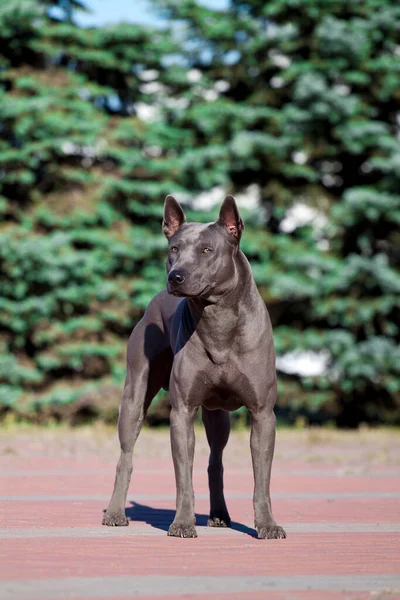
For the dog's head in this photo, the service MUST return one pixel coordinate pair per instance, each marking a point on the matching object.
(201, 258)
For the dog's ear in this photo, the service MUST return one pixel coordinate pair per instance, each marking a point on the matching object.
(173, 217)
(230, 219)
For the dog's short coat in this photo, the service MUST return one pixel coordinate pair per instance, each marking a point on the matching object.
(208, 338)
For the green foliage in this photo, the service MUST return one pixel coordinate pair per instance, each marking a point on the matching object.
(73, 239)
(97, 125)
(309, 111)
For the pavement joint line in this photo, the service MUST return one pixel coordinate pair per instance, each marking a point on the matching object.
(201, 496)
(165, 585)
(278, 473)
(141, 529)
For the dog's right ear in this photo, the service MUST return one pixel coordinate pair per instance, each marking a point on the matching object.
(174, 217)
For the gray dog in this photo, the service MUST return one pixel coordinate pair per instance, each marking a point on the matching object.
(208, 339)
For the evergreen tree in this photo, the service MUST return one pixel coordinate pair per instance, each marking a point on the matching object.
(303, 100)
(77, 189)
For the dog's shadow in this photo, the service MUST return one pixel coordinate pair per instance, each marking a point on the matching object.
(161, 518)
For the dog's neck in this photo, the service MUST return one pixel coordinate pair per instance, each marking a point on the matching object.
(215, 322)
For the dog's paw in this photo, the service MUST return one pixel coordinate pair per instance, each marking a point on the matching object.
(271, 532)
(183, 531)
(222, 520)
(115, 519)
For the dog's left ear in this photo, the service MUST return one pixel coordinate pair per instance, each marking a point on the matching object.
(230, 219)
(173, 217)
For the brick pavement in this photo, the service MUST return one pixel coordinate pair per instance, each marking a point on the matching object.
(337, 495)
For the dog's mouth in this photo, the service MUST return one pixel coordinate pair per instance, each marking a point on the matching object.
(180, 294)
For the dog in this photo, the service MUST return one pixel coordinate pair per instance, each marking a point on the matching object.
(207, 338)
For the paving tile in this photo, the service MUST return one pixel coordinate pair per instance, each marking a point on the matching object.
(340, 502)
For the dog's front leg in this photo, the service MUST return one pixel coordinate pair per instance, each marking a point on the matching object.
(262, 443)
(182, 445)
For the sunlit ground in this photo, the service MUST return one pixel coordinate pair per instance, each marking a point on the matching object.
(350, 449)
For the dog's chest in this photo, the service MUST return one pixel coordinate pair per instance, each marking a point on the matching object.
(219, 356)
(223, 386)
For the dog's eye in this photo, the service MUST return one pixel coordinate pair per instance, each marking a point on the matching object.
(206, 250)
(174, 248)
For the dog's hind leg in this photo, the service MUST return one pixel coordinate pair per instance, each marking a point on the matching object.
(218, 426)
(149, 364)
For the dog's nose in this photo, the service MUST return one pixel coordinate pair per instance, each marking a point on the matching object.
(176, 277)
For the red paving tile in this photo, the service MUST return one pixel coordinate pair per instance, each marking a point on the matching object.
(301, 554)
(217, 554)
(157, 483)
(76, 463)
(65, 513)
